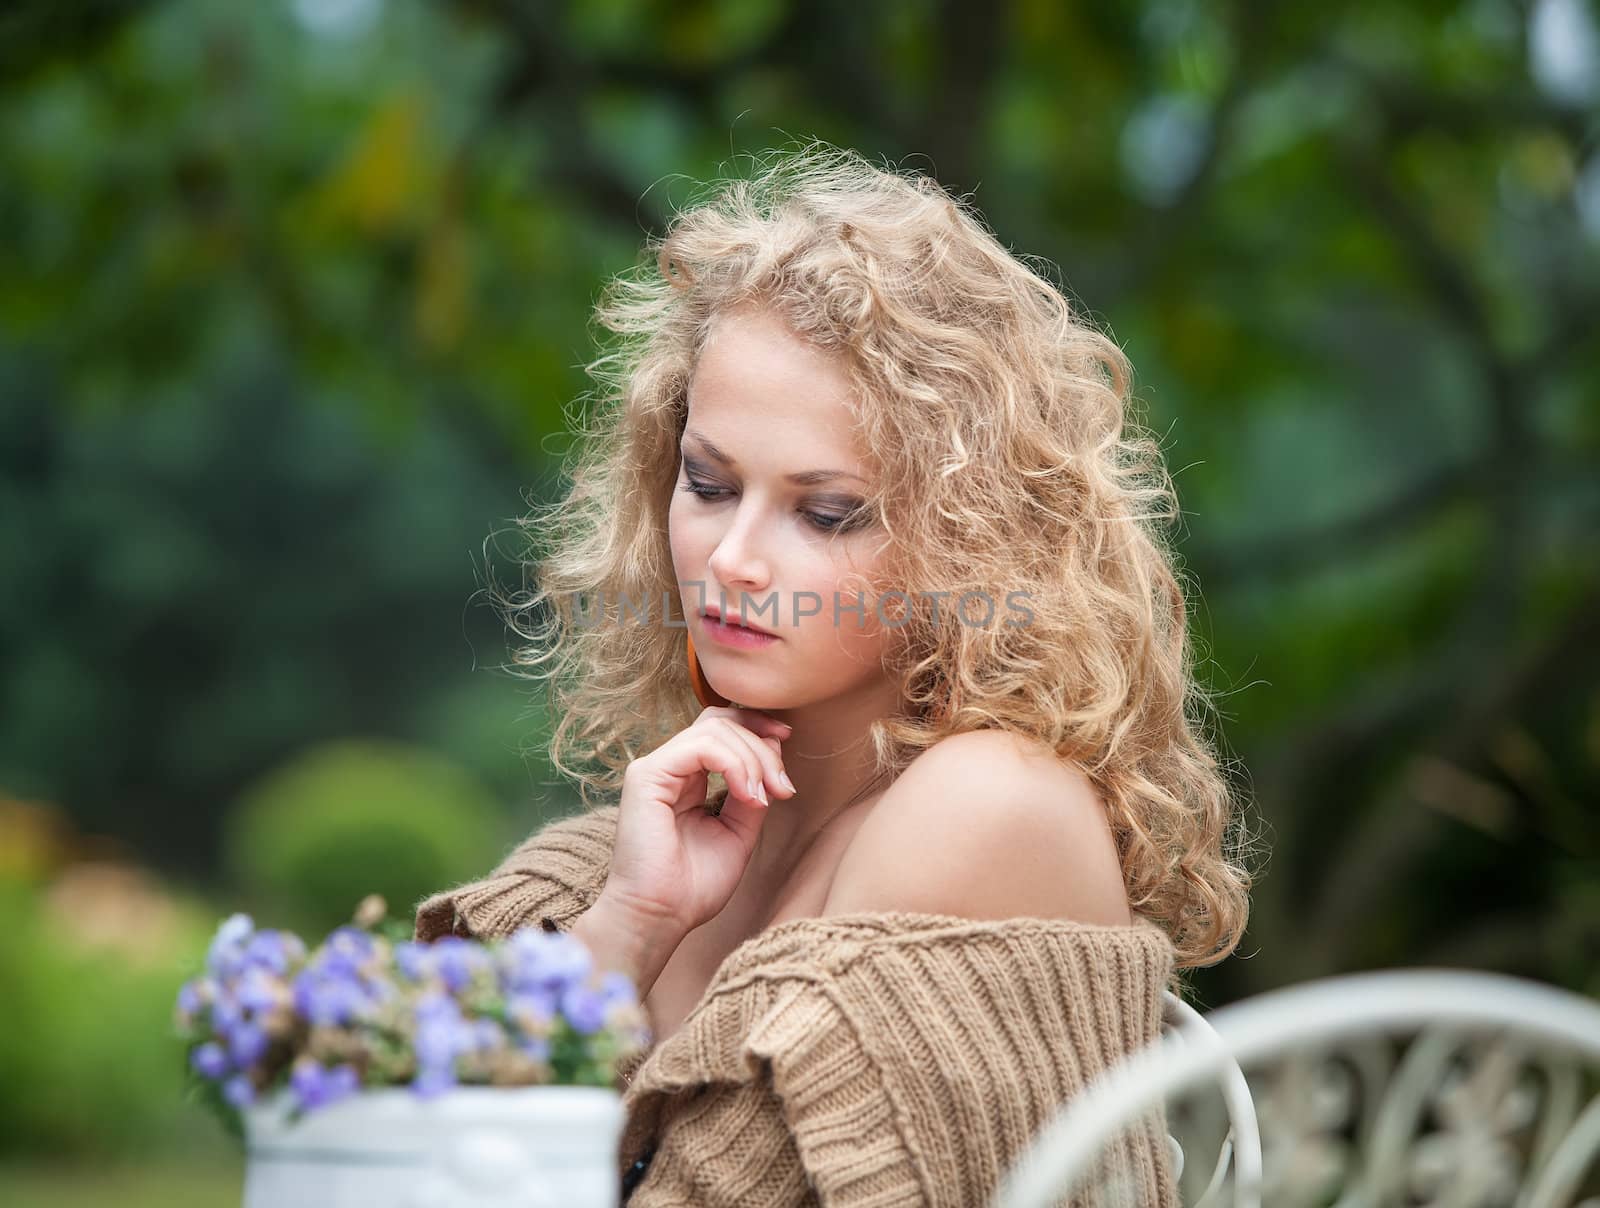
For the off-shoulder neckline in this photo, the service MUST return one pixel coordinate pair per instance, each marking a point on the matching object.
(898, 920)
(870, 928)
(899, 924)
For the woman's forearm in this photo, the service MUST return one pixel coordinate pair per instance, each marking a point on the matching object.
(625, 940)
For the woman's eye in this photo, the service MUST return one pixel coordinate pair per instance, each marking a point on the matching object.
(703, 490)
(827, 522)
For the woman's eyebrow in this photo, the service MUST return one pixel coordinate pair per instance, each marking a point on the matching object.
(804, 478)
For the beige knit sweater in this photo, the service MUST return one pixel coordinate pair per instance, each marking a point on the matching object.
(865, 1059)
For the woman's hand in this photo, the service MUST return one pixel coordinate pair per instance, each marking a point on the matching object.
(672, 863)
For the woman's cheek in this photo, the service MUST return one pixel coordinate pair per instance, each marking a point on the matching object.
(846, 621)
(690, 551)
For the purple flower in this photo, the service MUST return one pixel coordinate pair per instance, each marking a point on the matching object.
(345, 950)
(457, 960)
(533, 1010)
(541, 960)
(327, 999)
(226, 1011)
(258, 990)
(332, 991)
(247, 1044)
(434, 1006)
(273, 951)
(239, 1091)
(433, 1080)
(209, 1060)
(190, 999)
(487, 1034)
(413, 960)
(225, 957)
(442, 1033)
(618, 989)
(315, 1086)
(442, 1036)
(585, 1009)
(536, 1047)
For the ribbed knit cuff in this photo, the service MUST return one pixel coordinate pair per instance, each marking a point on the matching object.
(549, 879)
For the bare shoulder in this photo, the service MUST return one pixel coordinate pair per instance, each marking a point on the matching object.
(985, 825)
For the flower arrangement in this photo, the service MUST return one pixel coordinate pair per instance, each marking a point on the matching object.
(370, 1008)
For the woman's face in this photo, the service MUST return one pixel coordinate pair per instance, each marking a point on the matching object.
(764, 406)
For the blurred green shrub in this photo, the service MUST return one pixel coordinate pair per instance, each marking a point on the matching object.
(89, 1067)
(350, 818)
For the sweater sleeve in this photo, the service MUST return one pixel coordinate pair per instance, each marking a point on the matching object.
(550, 879)
(889, 1058)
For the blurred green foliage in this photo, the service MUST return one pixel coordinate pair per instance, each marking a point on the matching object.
(190, 1182)
(346, 819)
(89, 1065)
(293, 296)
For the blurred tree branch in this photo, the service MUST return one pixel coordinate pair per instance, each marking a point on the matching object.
(1376, 853)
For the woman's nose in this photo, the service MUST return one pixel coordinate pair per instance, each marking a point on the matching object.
(736, 562)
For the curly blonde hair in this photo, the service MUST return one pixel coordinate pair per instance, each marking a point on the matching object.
(997, 421)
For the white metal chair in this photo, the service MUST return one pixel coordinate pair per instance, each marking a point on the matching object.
(1425, 1086)
(1243, 1141)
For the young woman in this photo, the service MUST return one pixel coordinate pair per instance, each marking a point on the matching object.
(864, 531)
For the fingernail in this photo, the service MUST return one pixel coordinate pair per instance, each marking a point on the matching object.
(787, 783)
(761, 792)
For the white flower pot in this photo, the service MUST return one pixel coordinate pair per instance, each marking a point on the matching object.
(471, 1147)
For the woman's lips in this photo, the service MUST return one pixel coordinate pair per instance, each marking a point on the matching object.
(735, 635)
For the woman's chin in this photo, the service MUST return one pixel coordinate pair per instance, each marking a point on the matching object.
(747, 694)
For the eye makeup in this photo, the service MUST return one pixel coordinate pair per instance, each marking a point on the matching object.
(850, 513)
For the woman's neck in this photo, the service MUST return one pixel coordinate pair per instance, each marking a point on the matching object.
(829, 757)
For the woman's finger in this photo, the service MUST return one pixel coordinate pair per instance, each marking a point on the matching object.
(777, 780)
(719, 751)
(751, 719)
(690, 754)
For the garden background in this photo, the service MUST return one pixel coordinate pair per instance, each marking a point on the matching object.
(293, 294)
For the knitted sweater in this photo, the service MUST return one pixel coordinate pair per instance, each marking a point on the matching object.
(877, 1058)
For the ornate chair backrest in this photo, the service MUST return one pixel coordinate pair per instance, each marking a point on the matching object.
(1242, 1143)
(1425, 1086)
